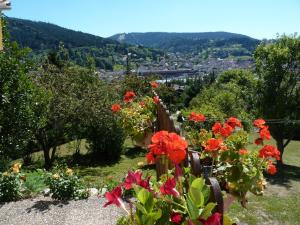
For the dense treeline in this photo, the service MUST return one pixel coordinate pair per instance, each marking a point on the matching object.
(44, 37)
(208, 44)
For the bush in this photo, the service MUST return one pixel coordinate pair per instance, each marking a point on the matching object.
(10, 184)
(64, 184)
(106, 140)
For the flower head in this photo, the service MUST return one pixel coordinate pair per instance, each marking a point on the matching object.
(194, 117)
(264, 133)
(234, 122)
(258, 141)
(69, 172)
(114, 197)
(271, 168)
(259, 123)
(156, 99)
(129, 96)
(115, 108)
(214, 219)
(224, 130)
(176, 218)
(154, 84)
(213, 144)
(16, 167)
(269, 151)
(168, 188)
(243, 152)
(135, 178)
(170, 144)
(55, 176)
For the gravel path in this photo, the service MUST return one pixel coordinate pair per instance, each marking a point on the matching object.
(45, 211)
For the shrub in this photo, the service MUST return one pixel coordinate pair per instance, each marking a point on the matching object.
(64, 184)
(106, 140)
(11, 183)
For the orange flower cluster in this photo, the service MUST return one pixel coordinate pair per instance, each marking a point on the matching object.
(269, 151)
(154, 84)
(214, 144)
(264, 132)
(129, 96)
(115, 107)
(194, 117)
(228, 127)
(169, 144)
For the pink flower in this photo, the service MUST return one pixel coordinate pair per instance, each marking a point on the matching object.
(214, 219)
(114, 197)
(168, 188)
(176, 218)
(135, 178)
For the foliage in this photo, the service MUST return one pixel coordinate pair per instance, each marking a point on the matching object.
(231, 95)
(207, 44)
(80, 47)
(278, 67)
(64, 184)
(10, 184)
(166, 201)
(79, 108)
(22, 103)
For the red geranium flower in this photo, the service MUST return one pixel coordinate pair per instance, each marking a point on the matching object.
(115, 107)
(129, 96)
(142, 104)
(114, 197)
(264, 133)
(135, 178)
(259, 123)
(214, 219)
(234, 122)
(154, 84)
(258, 141)
(150, 158)
(156, 99)
(168, 188)
(269, 151)
(170, 144)
(176, 218)
(213, 144)
(243, 151)
(196, 117)
(271, 168)
(224, 131)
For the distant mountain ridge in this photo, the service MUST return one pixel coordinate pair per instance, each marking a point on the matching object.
(223, 43)
(43, 37)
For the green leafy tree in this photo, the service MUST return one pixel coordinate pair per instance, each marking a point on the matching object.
(278, 67)
(21, 102)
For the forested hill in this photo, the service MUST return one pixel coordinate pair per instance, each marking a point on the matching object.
(222, 44)
(42, 37)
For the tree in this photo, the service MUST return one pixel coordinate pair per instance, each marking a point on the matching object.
(21, 102)
(278, 67)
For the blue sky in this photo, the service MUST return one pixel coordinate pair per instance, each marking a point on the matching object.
(256, 18)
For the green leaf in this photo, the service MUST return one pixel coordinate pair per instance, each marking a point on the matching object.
(207, 210)
(195, 192)
(193, 210)
(143, 195)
